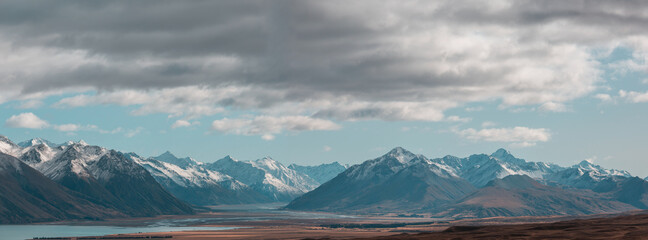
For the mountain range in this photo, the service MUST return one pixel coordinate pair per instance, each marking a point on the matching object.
(75, 180)
(136, 186)
(26, 195)
(476, 186)
(104, 177)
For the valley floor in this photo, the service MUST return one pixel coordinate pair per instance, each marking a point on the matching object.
(277, 224)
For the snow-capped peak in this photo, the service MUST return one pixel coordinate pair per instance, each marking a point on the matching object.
(168, 157)
(8, 147)
(588, 165)
(70, 143)
(228, 158)
(36, 142)
(501, 153)
(401, 154)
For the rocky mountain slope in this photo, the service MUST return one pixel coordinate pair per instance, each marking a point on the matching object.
(520, 195)
(267, 176)
(27, 196)
(104, 177)
(192, 182)
(476, 186)
(395, 182)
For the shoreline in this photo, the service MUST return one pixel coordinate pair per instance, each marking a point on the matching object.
(362, 227)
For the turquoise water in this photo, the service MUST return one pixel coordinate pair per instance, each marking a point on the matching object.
(21, 232)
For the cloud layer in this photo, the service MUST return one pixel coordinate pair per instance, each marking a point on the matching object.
(320, 60)
(518, 136)
(26, 120)
(266, 126)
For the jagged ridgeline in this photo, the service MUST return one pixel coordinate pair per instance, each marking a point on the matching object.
(480, 185)
(130, 185)
(101, 183)
(82, 182)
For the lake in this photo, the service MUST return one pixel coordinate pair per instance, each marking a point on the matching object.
(248, 212)
(21, 232)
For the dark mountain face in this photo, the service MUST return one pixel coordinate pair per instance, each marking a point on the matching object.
(104, 177)
(397, 181)
(404, 182)
(116, 182)
(137, 191)
(26, 196)
(518, 195)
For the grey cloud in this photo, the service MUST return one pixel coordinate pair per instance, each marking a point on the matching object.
(289, 52)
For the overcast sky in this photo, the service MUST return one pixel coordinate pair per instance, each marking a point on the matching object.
(310, 82)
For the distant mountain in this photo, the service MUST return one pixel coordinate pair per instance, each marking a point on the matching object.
(320, 173)
(520, 195)
(26, 196)
(193, 183)
(168, 157)
(477, 186)
(584, 175)
(104, 177)
(111, 183)
(37, 141)
(266, 176)
(480, 169)
(395, 182)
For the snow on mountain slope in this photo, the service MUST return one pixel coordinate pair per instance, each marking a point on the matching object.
(37, 141)
(480, 169)
(168, 157)
(285, 179)
(384, 166)
(104, 176)
(188, 175)
(320, 173)
(28, 196)
(395, 182)
(267, 176)
(586, 175)
(9, 147)
(196, 184)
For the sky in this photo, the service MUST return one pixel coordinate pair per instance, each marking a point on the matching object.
(313, 82)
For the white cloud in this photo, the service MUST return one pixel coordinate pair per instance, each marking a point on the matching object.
(26, 120)
(518, 136)
(268, 137)
(189, 102)
(552, 107)
(34, 103)
(522, 144)
(30, 120)
(266, 126)
(181, 123)
(603, 97)
(327, 149)
(457, 119)
(634, 97)
(131, 133)
(67, 127)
